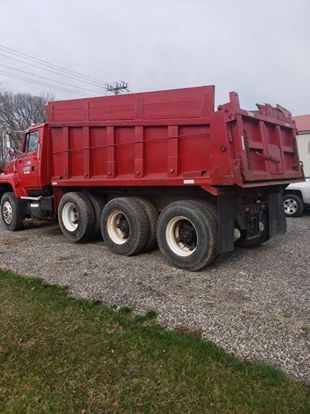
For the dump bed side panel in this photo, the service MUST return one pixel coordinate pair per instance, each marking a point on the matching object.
(171, 138)
(150, 154)
(156, 138)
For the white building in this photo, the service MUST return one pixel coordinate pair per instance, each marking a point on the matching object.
(303, 140)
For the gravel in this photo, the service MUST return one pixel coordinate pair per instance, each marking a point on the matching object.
(254, 303)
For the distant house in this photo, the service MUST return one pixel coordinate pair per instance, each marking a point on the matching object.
(303, 140)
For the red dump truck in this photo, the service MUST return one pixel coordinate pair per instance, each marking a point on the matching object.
(159, 168)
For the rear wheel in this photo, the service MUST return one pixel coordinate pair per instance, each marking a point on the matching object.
(11, 212)
(98, 205)
(152, 215)
(187, 234)
(124, 226)
(76, 217)
(293, 205)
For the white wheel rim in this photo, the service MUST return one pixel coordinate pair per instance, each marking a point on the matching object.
(181, 236)
(290, 206)
(7, 212)
(118, 227)
(70, 217)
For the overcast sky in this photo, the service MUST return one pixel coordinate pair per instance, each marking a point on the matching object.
(259, 49)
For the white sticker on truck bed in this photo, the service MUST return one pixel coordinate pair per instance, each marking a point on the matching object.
(242, 142)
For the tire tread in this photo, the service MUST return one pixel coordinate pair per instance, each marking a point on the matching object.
(206, 211)
(142, 224)
(152, 215)
(87, 214)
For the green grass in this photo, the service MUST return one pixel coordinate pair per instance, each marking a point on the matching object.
(63, 355)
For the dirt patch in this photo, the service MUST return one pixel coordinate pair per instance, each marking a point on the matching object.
(15, 242)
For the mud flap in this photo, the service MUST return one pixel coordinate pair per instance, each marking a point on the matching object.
(277, 219)
(226, 210)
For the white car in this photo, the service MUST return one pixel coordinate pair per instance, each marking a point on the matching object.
(296, 198)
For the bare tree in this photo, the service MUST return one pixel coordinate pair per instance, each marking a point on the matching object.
(19, 111)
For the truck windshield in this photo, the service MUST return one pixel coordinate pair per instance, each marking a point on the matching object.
(32, 141)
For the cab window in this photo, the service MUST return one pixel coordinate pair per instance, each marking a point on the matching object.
(32, 141)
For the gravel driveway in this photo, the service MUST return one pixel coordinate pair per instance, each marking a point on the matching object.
(253, 303)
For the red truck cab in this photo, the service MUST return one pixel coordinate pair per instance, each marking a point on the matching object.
(154, 168)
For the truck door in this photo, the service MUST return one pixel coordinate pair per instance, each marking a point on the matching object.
(28, 163)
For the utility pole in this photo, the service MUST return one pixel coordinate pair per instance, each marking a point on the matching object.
(117, 87)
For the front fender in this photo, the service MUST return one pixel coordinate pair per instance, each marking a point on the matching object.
(10, 182)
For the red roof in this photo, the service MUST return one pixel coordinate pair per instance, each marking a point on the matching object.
(302, 122)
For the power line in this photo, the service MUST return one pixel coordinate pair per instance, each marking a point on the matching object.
(36, 81)
(49, 79)
(55, 67)
(49, 70)
(116, 87)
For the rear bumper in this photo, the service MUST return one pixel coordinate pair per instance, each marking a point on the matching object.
(233, 212)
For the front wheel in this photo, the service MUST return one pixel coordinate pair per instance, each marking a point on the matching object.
(11, 213)
(187, 234)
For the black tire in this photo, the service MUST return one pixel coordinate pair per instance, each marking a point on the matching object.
(201, 227)
(152, 215)
(297, 205)
(16, 222)
(98, 204)
(124, 226)
(85, 213)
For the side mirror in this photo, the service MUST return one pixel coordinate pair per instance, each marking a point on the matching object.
(11, 152)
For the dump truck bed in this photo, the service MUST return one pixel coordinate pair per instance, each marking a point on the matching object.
(173, 137)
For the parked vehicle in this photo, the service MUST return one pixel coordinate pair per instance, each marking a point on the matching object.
(160, 167)
(296, 198)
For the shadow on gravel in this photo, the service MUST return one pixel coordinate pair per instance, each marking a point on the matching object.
(53, 231)
(34, 224)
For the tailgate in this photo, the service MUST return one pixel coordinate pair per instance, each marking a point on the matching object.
(265, 143)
